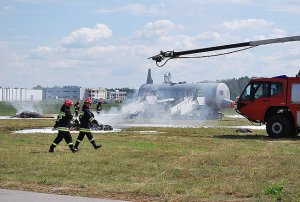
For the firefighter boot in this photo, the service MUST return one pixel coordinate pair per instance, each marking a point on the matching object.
(52, 146)
(72, 148)
(96, 146)
(77, 144)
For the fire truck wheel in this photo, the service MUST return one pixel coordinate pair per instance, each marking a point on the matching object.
(278, 126)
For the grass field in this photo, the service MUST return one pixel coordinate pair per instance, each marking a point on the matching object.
(172, 164)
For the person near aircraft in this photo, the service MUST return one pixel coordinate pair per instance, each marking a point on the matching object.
(63, 124)
(86, 118)
(76, 108)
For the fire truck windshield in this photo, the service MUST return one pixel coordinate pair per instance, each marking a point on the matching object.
(257, 90)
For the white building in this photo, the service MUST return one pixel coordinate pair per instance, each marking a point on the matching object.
(20, 94)
(78, 93)
(117, 95)
(97, 93)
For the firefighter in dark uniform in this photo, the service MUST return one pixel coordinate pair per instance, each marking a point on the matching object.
(63, 125)
(86, 118)
(76, 108)
(99, 106)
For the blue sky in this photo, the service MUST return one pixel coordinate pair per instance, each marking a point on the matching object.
(106, 43)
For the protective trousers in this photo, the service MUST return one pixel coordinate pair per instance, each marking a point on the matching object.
(89, 136)
(60, 136)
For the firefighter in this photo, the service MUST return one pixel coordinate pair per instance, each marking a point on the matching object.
(76, 108)
(99, 106)
(86, 118)
(63, 125)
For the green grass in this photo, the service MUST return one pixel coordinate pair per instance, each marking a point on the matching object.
(6, 109)
(175, 164)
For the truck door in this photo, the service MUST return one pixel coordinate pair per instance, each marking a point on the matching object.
(253, 101)
(257, 97)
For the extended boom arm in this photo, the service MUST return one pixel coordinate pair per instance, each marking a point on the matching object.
(172, 54)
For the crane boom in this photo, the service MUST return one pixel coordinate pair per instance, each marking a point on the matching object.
(172, 54)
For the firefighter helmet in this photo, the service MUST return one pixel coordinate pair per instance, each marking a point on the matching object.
(88, 100)
(68, 103)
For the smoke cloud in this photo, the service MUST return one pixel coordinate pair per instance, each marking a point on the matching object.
(28, 106)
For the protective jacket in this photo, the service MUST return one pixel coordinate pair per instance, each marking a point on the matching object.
(64, 118)
(86, 117)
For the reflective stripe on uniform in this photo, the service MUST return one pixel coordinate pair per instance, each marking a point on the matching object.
(85, 130)
(91, 119)
(71, 143)
(61, 115)
(54, 143)
(78, 140)
(65, 129)
(91, 140)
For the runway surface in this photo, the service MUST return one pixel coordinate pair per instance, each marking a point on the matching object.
(7, 195)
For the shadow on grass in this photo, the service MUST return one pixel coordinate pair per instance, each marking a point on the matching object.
(254, 137)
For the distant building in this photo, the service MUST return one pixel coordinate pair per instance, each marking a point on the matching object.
(20, 94)
(78, 93)
(118, 96)
(96, 93)
(66, 92)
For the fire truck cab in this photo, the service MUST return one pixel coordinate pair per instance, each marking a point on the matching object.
(274, 102)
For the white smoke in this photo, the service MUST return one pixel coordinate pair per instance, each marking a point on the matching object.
(23, 106)
(112, 117)
(156, 117)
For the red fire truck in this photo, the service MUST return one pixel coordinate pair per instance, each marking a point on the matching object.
(271, 101)
(274, 102)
